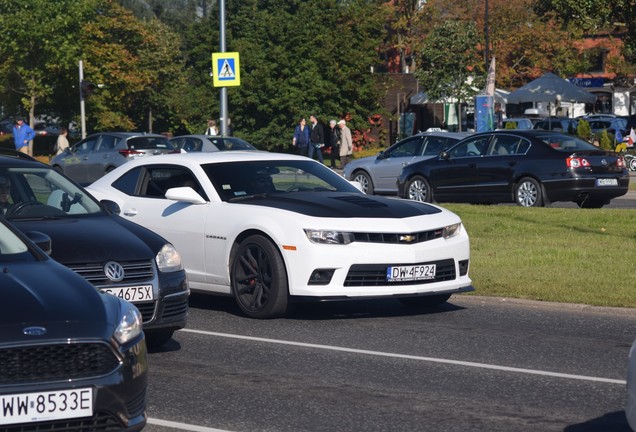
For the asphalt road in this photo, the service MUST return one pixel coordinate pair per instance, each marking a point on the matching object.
(475, 364)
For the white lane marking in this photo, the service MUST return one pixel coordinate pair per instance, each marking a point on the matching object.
(182, 426)
(412, 357)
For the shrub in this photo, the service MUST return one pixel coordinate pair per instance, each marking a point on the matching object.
(511, 125)
(583, 130)
(604, 141)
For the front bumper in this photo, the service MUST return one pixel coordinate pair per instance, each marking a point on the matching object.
(358, 270)
(119, 396)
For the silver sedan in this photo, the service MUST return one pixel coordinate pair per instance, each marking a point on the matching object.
(378, 174)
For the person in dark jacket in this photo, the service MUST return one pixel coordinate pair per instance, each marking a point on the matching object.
(334, 142)
(301, 137)
(316, 139)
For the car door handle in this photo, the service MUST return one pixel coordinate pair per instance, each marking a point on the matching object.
(472, 165)
(512, 163)
(85, 158)
(130, 212)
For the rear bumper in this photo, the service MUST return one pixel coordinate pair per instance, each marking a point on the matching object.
(579, 188)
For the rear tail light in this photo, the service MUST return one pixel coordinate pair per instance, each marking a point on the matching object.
(577, 162)
(130, 153)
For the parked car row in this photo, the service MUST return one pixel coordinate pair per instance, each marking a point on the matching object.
(527, 167)
(100, 153)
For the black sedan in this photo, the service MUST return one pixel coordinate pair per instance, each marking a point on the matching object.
(530, 168)
(114, 254)
(71, 358)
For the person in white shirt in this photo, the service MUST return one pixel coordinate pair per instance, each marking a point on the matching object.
(62, 141)
(212, 130)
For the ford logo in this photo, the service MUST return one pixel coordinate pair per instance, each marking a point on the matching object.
(114, 271)
(34, 331)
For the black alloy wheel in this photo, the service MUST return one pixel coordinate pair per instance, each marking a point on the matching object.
(258, 278)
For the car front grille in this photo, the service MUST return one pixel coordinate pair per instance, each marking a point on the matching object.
(100, 422)
(375, 274)
(175, 307)
(134, 272)
(403, 238)
(137, 405)
(147, 310)
(47, 363)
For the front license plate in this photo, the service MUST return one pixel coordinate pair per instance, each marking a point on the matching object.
(55, 405)
(132, 294)
(410, 273)
(606, 182)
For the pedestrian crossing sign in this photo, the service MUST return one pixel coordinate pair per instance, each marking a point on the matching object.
(226, 69)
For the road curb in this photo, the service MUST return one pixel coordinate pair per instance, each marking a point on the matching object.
(538, 304)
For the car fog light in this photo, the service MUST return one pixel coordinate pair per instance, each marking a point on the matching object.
(321, 276)
(463, 267)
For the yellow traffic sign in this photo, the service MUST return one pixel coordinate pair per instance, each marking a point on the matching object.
(226, 69)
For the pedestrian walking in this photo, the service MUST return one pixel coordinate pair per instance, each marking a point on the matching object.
(346, 143)
(301, 137)
(62, 141)
(316, 139)
(22, 134)
(334, 142)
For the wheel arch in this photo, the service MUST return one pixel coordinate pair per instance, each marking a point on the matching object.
(250, 232)
(519, 177)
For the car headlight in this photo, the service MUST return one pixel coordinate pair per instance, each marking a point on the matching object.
(129, 326)
(168, 259)
(452, 230)
(329, 236)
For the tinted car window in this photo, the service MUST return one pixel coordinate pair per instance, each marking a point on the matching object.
(107, 143)
(160, 178)
(434, 145)
(127, 183)
(407, 148)
(236, 144)
(566, 143)
(86, 146)
(505, 145)
(471, 147)
(192, 144)
(145, 142)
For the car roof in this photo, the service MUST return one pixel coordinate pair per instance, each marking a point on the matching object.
(457, 135)
(528, 133)
(201, 158)
(11, 160)
(127, 134)
(202, 136)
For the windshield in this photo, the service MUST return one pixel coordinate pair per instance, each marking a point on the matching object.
(566, 143)
(236, 180)
(35, 193)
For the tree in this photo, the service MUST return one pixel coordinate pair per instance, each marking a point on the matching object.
(39, 60)
(448, 59)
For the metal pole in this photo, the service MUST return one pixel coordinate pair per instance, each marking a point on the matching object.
(487, 53)
(223, 101)
(82, 109)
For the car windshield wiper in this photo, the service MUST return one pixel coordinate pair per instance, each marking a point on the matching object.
(250, 196)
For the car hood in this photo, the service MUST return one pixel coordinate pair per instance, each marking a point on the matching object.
(340, 205)
(52, 297)
(88, 239)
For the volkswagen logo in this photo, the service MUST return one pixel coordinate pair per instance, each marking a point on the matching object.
(114, 271)
(34, 331)
(604, 162)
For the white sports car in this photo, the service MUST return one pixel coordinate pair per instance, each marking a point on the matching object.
(268, 228)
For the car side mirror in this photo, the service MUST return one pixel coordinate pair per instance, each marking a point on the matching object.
(380, 156)
(444, 155)
(111, 206)
(42, 241)
(185, 194)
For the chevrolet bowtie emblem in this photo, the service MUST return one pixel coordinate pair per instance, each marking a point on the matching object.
(407, 238)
